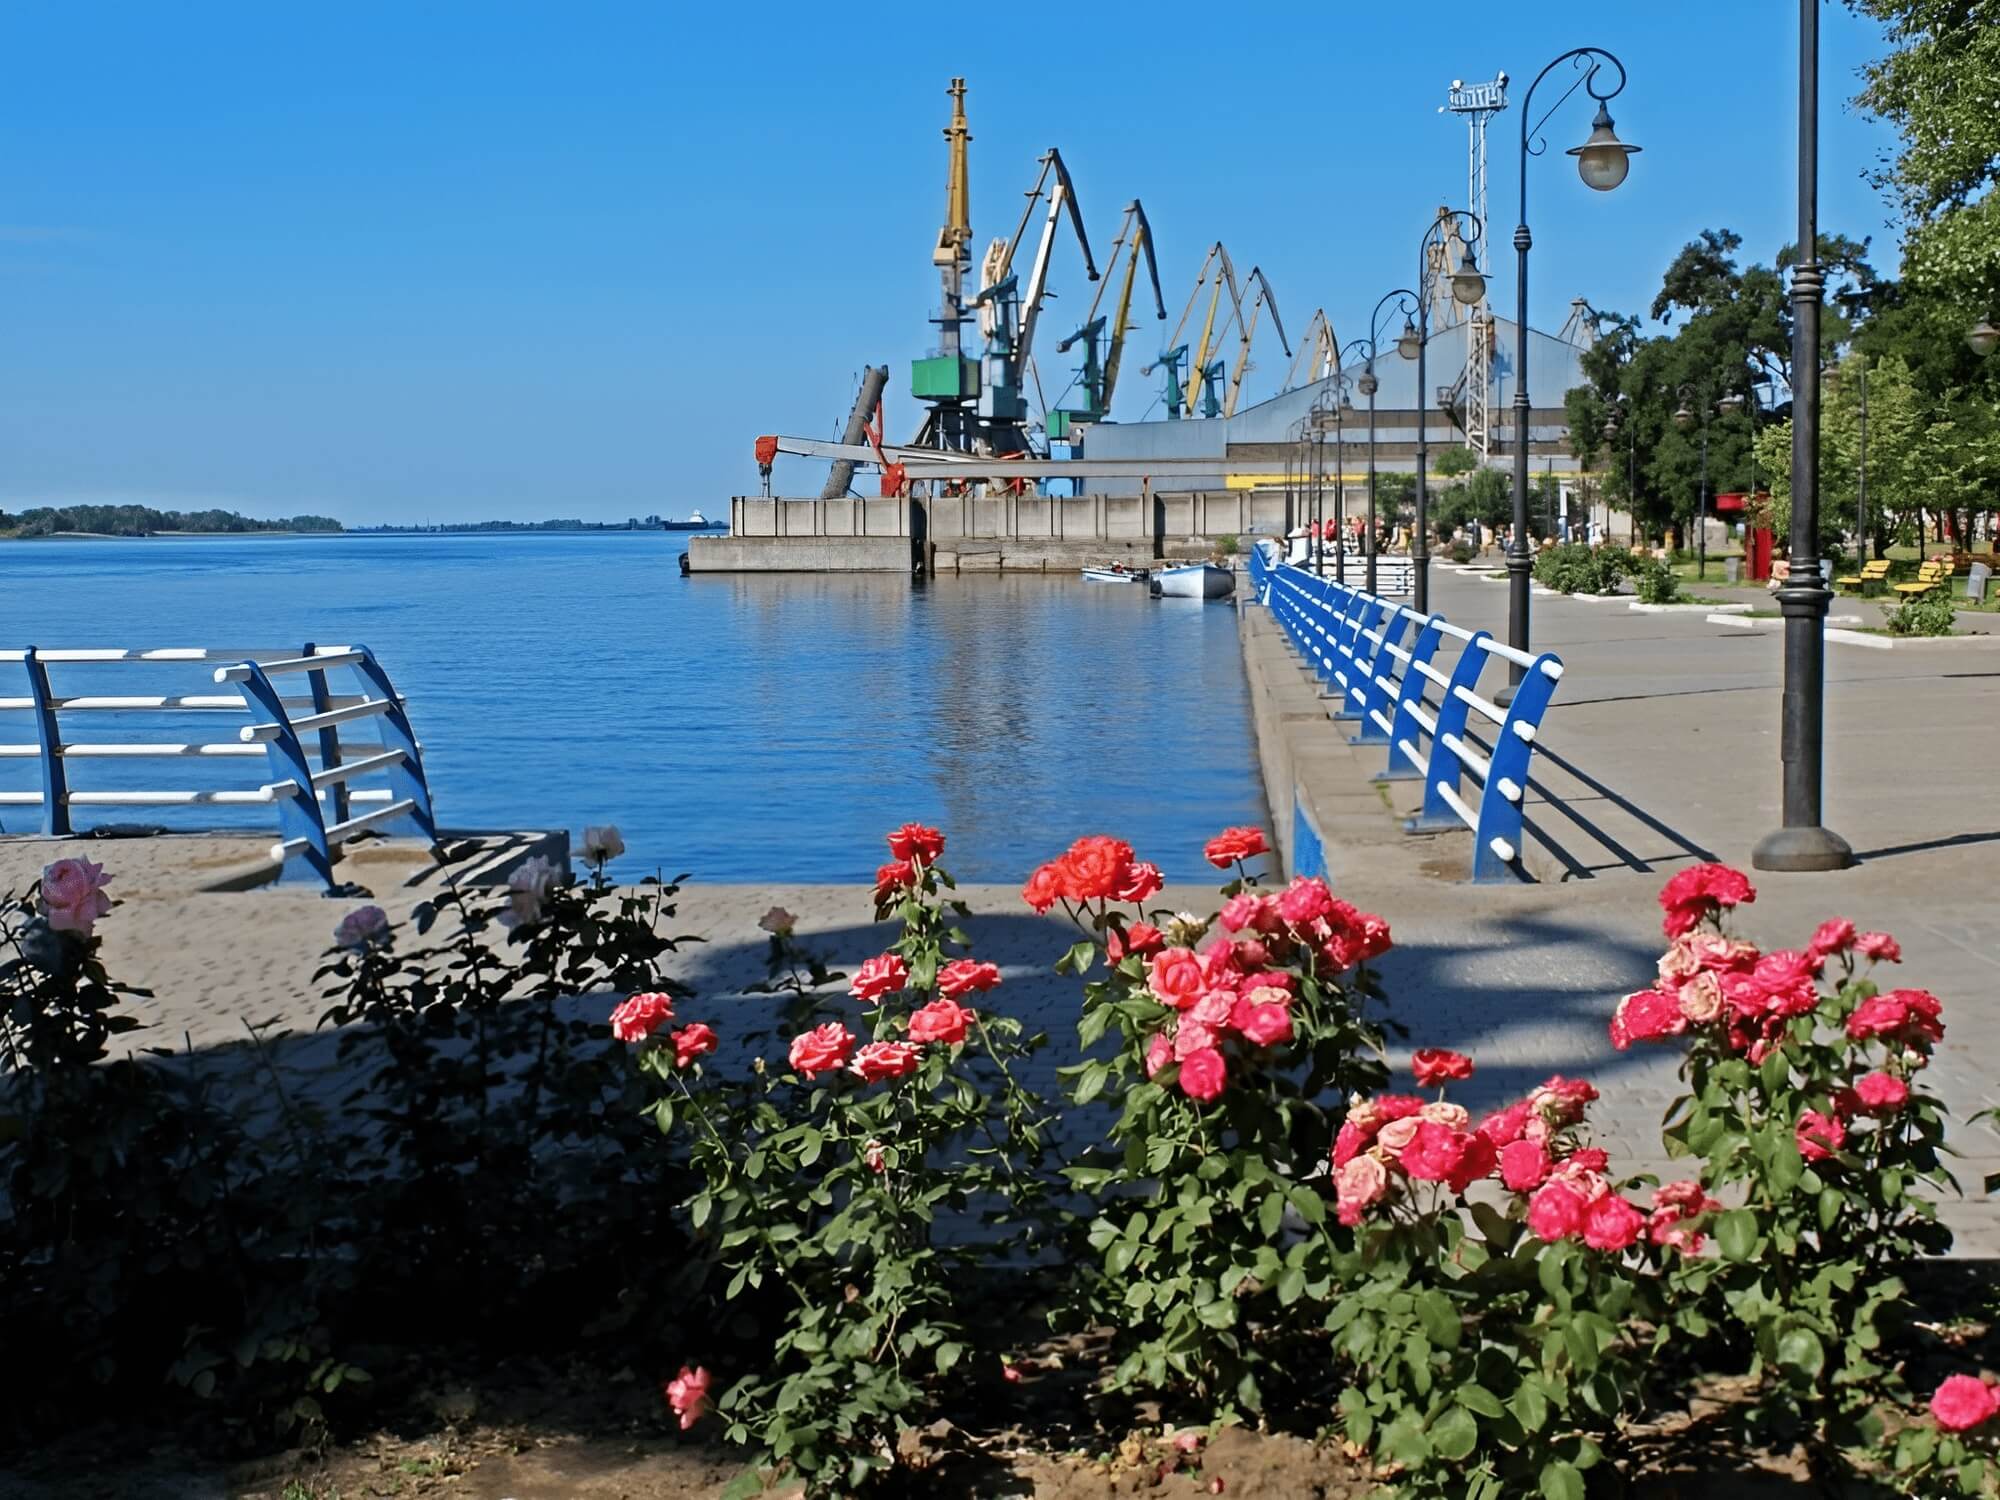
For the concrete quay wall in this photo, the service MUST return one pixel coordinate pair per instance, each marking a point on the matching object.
(801, 554)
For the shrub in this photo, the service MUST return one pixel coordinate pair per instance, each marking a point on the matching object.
(1573, 567)
(1657, 583)
(1228, 545)
(828, 1182)
(1923, 614)
(1806, 1105)
(1956, 1449)
(1461, 550)
(1231, 1065)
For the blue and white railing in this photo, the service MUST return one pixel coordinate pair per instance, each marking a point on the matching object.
(1383, 659)
(294, 731)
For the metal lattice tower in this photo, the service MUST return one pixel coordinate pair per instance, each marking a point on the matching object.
(1478, 102)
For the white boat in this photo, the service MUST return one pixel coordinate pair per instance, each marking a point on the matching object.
(1196, 581)
(1114, 575)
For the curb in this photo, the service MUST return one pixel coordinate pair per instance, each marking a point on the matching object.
(1669, 609)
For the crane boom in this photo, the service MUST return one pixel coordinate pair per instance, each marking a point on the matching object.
(1061, 196)
(1264, 297)
(1140, 240)
(1319, 343)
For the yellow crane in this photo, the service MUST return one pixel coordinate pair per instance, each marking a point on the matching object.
(1218, 273)
(1247, 329)
(1100, 379)
(1318, 353)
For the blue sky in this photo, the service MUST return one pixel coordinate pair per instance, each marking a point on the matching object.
(458, 260)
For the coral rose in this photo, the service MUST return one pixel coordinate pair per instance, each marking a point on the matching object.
(879, 1060)
(1234, 844)
(1879, 945)
(1963, 1402)
(1881, 1093)
(824, 1049)
(1143, 881)
(965, 976)
(1159, 1052)
(882, 975)
(641, 1016)
(1203, 1074)
(687, 1394)
(915, 841)
(1044, 888)
(892, 879)
(1095, 868)
(1556, 1211)
(940, 1021)
(1304, 900)
(1144, 939)
(1358, 1184)
(1267, 1025)
(1178, 977)
(1436, 1066)
(694, 1040)
(1834, 936)
(1612, 1224)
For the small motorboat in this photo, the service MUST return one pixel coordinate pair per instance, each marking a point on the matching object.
(1114, 573)
(1195, 581)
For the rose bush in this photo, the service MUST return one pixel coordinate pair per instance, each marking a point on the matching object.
(1236, 1040)
(828, 1173)
(1955, 1448)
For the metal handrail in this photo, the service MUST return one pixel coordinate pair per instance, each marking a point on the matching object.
(290, 733)
(1354, 641)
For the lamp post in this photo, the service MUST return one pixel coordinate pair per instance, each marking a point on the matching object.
(1982, 338)
(1467, 287)
(1861, 479)
(1620, 419)
(1734, 402)
(1684, 419)
(1602, 161)
(1368, 385)
(1801, 842)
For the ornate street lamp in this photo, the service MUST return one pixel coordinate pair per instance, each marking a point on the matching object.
(1368, 385)
(1801, 842)
(1467, 286)
(1982, 337)
(1602, 162)
(1685, 419)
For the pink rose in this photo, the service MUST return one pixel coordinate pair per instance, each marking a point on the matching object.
(1524, 1165)
(1879, 945)
(692, 1041)
(73, 895)
(1819, 1136)
(1348, 1143)
(1556, 1211)
(1963, 1402)
(1358, 1184)
(1700, 999)
(1834, 936)
(940, 1021)
(687, 1394)
(1178, 978)
(1437, 1066)
(1304, 899)
(824, 1049)
(1679, 961)
(1192, 1036)
(1698, 891)
(1881, 1093)
(1713, 951)
(1786, 970)
(641, 1016)
(1239, 911)
(882, 975)
(1203, 1074)
(1612, 1224)
(1433, 1153)
(1645, 1017)
(1443, 1112)
(1267, 1025)
(1504, 1126)
(1397, 1134)
(1477, 1159)
(1213, 1009)
(1159, 1052)
(879, 1060)
(965, 976)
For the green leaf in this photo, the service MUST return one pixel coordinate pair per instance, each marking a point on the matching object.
(1455, 1434)
(1270, 1214)
(1091, 1083)
(948, 1354)
(1476, 1398)
(1800, 1349)
(1291, 1282)
(1530, 1406)
(1736, 1233)
(1561, 1481)
(1439, 1318)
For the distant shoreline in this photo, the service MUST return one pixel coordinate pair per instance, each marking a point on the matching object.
(368, 531)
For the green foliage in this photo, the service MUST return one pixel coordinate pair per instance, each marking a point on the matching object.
(1656, 581)
(1572, 568)
(1452, 462)
(1228, 545)
(143, 520)
(1923, 614)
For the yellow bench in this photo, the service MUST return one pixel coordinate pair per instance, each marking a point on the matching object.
(1934, 574)
(1874, 572)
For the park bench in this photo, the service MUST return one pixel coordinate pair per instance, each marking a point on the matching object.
(1935, 573)
(1871, 573)
(294, 722)
(1382, 658)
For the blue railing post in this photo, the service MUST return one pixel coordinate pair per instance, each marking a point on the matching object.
(299, 818)
(48, 736)
(1507, 778)
(329, 737)
(1403, 728)
(1446, 768)
(1365, 612)
(1391, 631)
(406, 778)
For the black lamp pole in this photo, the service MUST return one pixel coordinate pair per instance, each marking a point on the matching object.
(1684, 418)
(1602, 161)
(1801, 843)
(1368, 385)
(1468, 285)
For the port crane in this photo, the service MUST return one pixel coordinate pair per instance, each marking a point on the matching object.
(1099, 379)
(1318, 354)
(1247, 327)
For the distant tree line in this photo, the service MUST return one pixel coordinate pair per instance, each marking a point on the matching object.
(143, 520)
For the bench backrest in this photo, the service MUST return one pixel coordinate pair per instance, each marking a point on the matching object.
(290, 728)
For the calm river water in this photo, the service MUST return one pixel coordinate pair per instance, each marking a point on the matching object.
(738, 728)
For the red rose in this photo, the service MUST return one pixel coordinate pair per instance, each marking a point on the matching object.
(824, 1049)
(641, 1016)
(691, 1042)
(1435, 1066)
(1819, 1136)
(1178, 978)
(1612, 1224)
(687, 1394)
(1646, 1017)
(1044, 887)
(915, 841)
(882, 975)
(1881, 1093)
(1266, 1025)
(1963, 1402)
(1348, 1143)
(1304, 899)
(1476, 1160)
(1879, 945)
(1095, 868)
(1434, 1152)
(890, 879)
(1836, 935)
(1524, 1165)
(1504, 1126)
(879, 1060)
(1699, 890)
(1555, 1212)
(1234, 844)
(964, 976)
(940, 1021)
(1144, 939)
(1203, 1074)
(1143, 881)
